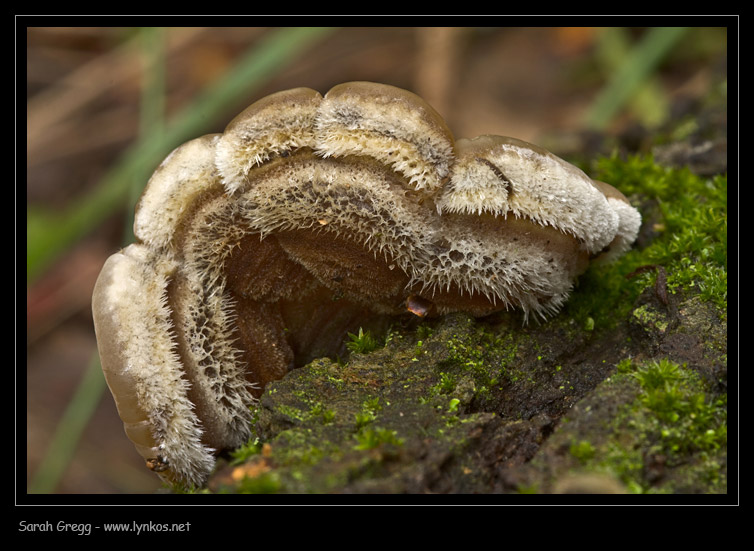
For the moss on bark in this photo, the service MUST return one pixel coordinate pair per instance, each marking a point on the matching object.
(493, 406)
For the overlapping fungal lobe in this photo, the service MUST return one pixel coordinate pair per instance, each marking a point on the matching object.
(309, 217)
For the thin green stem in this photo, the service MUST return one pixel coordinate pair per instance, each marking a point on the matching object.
(151, 114)
(634, 71)
(49, 233)
(65, 440)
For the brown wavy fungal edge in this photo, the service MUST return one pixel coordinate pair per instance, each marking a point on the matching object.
(311, 216)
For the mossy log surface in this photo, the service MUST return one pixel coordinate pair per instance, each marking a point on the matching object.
(458, 405)
(624, 391)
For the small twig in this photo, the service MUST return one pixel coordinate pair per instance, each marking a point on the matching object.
(661, 282)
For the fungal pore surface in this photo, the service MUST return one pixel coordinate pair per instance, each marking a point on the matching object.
(258, 249)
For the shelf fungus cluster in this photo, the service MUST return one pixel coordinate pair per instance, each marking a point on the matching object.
(259, 248)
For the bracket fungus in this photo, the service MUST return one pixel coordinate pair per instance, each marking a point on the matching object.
(258, 249)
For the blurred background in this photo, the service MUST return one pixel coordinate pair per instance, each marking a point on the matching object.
(106, 105)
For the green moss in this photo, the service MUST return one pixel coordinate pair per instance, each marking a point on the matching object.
(685, 418)
(368, 413)
(625, 366)
(424, 331)
(326, 371)
(293, 412)
(245, 452)
(527, 489)
(315, 410)
(685, 217)
(371, 437)
(692, 231)
(265, 483)
(583, 450)
(364, 418)
(651, 319)
(603, 296)
(363, 343)
(372, 404)
(447, 383)
(655, 375)
(481, 354)
(418, 351)
(301, 447)
(674, 428)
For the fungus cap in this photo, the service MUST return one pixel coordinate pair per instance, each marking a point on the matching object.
(308, 218)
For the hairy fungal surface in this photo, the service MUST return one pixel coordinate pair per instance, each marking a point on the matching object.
(259, 249)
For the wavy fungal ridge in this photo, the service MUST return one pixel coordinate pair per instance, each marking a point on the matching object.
(309, 217)
(142, 366)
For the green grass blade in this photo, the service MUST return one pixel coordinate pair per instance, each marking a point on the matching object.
(639, 65)
(151, 114)
(76, 417)
(89, 391)
(50, 233)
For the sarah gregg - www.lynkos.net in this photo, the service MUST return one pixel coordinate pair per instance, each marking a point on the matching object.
(86, 528)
